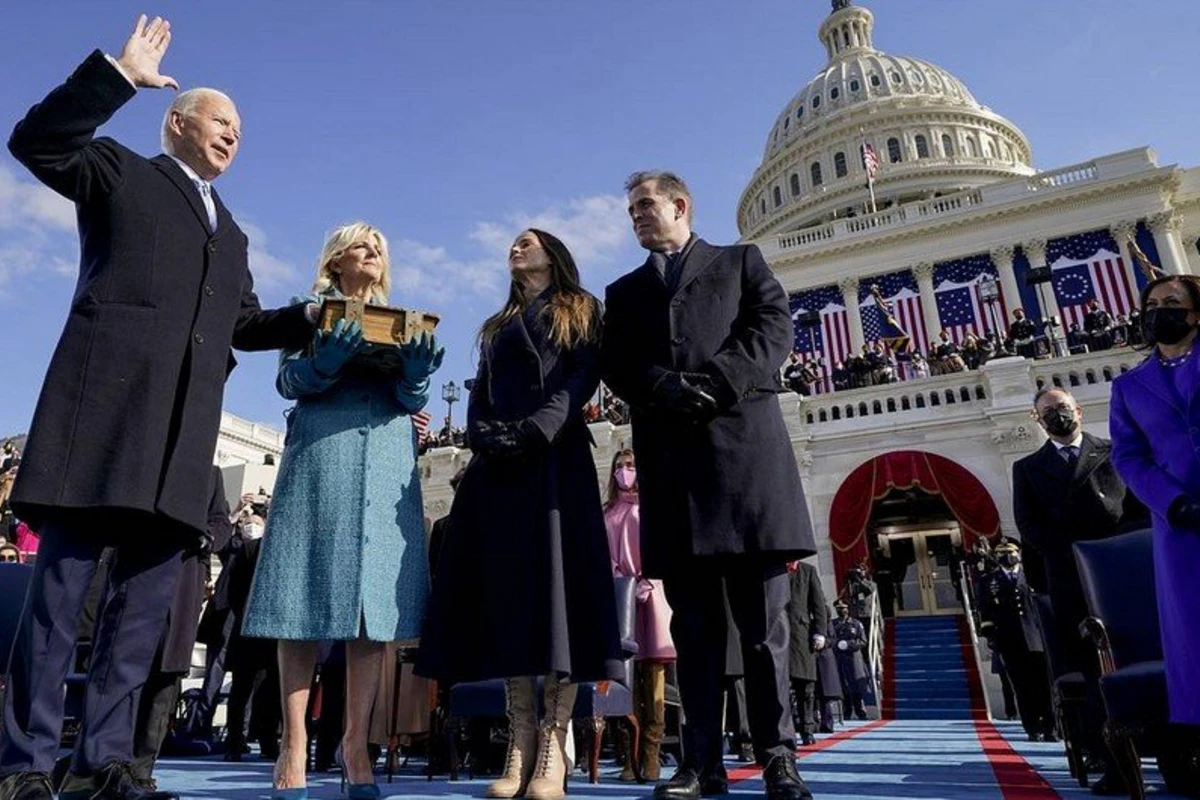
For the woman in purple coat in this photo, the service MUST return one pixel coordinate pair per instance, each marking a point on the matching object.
(1155, 427)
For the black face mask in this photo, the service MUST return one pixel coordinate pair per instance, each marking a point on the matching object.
(1060, 422)
(1166, 325)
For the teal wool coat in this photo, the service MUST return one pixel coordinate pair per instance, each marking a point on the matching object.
(344, 549)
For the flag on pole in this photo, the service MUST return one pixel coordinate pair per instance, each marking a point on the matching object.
(870, 161)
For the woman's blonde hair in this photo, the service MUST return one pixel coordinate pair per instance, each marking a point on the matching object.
(336, 245)
(573, 314)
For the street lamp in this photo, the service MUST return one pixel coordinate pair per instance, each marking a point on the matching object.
(989, 292)
(450, 393)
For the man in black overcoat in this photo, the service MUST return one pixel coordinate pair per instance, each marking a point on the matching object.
(125, 428)
(1069, 491)
(809, 618)
(694, 339)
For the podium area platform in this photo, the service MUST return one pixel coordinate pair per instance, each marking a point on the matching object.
(933, 759)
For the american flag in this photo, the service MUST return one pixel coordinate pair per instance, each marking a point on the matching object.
(420, 421)
(831, 339)
(870, 161)
(899, 289)
(960, 308)
(1086, 266)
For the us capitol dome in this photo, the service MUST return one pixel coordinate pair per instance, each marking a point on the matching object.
(929, 133)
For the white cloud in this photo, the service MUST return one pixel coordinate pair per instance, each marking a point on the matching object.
(270, 271)
(593, 228)
(37, 231)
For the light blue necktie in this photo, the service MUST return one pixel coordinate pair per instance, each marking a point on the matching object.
(206, 195)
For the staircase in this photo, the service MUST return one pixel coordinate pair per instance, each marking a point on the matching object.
(930, 670)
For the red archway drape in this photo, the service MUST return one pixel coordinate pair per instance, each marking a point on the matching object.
(962, 492)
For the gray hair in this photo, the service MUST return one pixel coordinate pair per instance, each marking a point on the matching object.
(185, 103)
(666, 183)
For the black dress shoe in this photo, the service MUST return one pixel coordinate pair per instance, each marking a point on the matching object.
(26, 786)
(114, 782)
(745, 753)
(688, 784)
(783, 781)
(1110, 785)
(807, 739)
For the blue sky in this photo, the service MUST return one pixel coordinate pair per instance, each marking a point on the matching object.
(452, 124)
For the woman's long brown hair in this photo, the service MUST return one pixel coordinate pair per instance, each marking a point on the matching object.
(573, 313)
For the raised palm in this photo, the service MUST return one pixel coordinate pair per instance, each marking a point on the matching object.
(144, 52)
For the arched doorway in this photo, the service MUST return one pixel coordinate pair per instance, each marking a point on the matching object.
(921, 509)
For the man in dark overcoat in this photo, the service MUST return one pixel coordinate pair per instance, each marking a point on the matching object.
(850, 647)
(809, 619)
(125, 428)
(694, 339)
(1065, 492)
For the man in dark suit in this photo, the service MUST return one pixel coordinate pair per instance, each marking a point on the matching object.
(123, 436)
(693, 341)
(809, 618)
(1065, 492)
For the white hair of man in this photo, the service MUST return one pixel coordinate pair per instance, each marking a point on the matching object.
(185, 103)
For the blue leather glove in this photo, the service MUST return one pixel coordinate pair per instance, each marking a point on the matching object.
(332, 350)
(421, 358)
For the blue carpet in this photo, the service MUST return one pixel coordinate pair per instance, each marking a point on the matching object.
(930, 677)
(936, 760)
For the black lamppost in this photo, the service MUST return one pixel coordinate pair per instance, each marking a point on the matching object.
(450, 393)
(989, 292)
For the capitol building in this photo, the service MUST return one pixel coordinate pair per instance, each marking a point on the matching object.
(916, 468)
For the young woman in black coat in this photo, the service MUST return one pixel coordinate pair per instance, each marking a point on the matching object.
(525, 586)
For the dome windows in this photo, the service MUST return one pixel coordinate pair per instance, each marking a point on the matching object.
(916, 78)
(893, 148)
(876, 81)
(800, 111)
(816, 101)
(947, 146)
(855, 85)
(815, 170)
(762, 205)
(972, 150)
(834, 93)
(777, 197)
(922, 146)
(896, 77)
(795, 185)
(839, 164)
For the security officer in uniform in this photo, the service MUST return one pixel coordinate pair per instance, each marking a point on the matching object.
(850, 643)
(1011, 630)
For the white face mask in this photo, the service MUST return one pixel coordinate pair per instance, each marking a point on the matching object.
(252, 530)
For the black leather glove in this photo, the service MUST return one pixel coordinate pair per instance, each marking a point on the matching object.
(507, 439)
(1184, 513)
(681, 396)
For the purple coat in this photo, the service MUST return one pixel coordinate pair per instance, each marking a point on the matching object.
(1156, 449)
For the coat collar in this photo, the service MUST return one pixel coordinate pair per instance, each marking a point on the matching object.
(184, 184)
(697, 256)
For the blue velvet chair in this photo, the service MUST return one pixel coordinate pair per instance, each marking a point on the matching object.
(1118, 583)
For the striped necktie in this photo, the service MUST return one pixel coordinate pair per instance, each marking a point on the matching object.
(210, 207)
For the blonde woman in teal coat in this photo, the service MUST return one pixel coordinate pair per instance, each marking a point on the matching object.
(344, 552)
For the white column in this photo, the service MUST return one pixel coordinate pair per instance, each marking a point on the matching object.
(924, 274)
(1165, 227)
(849, 287)
(1002, 257)
(1123, 232)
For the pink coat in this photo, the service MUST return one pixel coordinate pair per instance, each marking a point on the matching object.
(624, 547)
(26, 540)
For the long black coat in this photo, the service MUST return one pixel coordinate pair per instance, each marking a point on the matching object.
(183, 620)
(131, 405)
(1055, 507)
(524, 583)
(807, 614)
(731, 486)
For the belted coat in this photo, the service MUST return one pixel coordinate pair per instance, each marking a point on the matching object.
(731, 486)
(130, 408)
